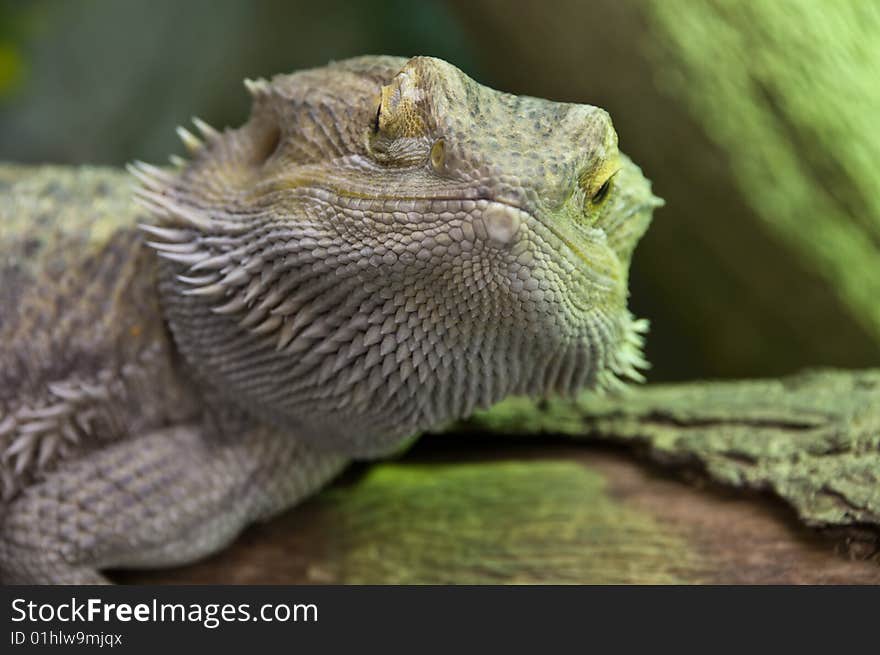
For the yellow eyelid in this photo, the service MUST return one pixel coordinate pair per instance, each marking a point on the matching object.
(607, 183)
(591, 181)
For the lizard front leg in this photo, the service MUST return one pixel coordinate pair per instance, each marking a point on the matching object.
(166, 498)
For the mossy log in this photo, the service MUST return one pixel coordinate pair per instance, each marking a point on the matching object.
(811, 439)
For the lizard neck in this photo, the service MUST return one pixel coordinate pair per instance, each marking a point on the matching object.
(371, 364)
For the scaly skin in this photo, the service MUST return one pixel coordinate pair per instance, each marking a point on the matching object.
(382, 248)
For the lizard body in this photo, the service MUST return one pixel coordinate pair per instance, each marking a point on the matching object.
(382, 248)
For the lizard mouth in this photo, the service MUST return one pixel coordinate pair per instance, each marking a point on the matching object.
(496, 219)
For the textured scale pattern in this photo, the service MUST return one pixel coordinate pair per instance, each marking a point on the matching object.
(364, 283)
(84, 355)
(383, 247)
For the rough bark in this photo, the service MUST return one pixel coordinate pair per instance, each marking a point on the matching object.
(812, 439)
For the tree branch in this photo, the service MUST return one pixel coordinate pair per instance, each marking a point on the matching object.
(812, 439)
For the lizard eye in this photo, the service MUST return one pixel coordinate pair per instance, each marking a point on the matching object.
(602, 192)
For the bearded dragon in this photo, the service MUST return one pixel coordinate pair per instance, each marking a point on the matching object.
(383, 247)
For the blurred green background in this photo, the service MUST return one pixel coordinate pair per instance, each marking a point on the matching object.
(759, 123)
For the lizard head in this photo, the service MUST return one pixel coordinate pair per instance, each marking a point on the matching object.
(387, 245)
